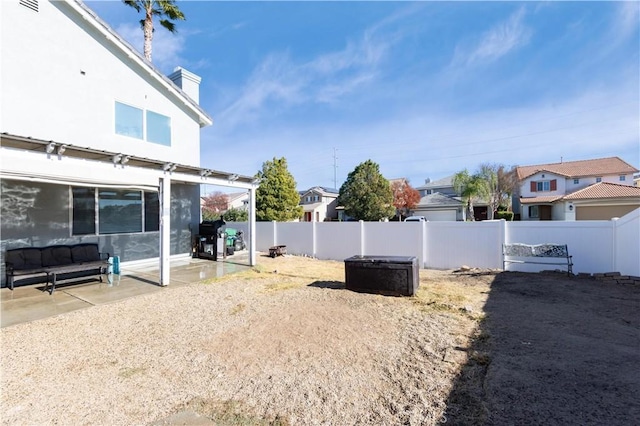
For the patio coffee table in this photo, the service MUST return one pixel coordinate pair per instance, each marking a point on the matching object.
(52, 273)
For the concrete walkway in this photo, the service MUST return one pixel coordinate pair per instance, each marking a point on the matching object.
(30, 303)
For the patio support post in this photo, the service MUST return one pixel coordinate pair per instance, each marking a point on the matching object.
(252, 226)
(165, 230)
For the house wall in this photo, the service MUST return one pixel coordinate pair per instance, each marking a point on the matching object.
(525, 185)
(331, 203)
(567, 185)
(53, 57)
(36, 214)
(596, 246)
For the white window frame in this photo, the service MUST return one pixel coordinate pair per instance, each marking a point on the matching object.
(543, 186)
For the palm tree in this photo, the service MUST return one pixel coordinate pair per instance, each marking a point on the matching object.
(151, 8)
(470, 187)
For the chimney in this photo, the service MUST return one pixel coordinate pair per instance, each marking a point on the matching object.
(188, 82)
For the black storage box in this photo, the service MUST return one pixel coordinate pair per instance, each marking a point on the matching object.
(391, 275)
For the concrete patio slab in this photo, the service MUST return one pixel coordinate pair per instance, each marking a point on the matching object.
(30, 303)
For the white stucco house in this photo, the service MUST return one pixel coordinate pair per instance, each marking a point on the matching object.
(96, 144)
(597, 189)
(319, 204)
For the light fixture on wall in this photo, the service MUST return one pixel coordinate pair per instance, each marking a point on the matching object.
(50, 147)
(62, 149)
(570, 207)
(116, 158)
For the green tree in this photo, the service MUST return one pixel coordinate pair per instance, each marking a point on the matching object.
(470, 187)
(166, 10)
(366, 194)
(277, 197)
(236, 215)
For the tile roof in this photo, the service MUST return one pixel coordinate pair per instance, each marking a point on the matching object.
(544, 199)
(596, 167)
(605, 190)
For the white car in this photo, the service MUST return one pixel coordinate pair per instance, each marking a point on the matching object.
(416, 219)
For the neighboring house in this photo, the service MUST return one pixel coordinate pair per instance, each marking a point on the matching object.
(319, 204)
(239, 201)
(96, 144)
(598, 189)
(439, 207)
(444, 186)
(441, 202)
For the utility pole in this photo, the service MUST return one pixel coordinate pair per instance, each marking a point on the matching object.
(335, 168)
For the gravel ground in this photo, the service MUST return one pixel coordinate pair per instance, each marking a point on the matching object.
(287, 344)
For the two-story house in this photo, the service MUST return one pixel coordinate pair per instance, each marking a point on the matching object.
(96, 144)
(598, 189)
(319, 204)
(440, 202)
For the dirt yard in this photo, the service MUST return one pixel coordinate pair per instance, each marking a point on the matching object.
(287, 344)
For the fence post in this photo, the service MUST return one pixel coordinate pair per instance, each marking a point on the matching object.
(614, 251)
(275, 233)
(423, 245)
(313, 239)
(503, 240)
(362, 237)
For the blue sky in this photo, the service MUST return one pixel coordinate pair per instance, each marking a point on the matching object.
(425, 89)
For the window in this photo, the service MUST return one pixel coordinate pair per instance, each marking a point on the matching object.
(84, 211)
(119, 211)
(151, 212)
(623, 178)
(598, 179)
(576, 181)
(158, 128)
(145, 125)
(128, 121)
(533, 211)
(543, 186)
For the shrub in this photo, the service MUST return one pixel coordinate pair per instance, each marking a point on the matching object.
(504, 215)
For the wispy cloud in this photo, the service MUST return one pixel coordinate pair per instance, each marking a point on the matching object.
(503, 38)
(167, 48)
(419, 143)
(280, 81)
(626, 20)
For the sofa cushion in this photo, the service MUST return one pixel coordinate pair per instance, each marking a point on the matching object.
(87, 252)
(56, 256)
(24, 258)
